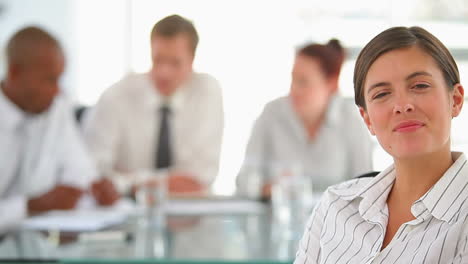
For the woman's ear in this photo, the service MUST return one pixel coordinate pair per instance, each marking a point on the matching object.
(365, 117)
(457, 99)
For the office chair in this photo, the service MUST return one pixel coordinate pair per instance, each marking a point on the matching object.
(368, 174)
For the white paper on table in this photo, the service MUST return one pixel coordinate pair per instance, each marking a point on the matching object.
(85, 218)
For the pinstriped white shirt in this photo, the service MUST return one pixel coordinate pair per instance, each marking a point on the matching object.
(348, 225)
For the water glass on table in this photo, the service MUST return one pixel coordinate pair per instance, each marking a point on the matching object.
(291, 191)
(151, 193)
(151, 196)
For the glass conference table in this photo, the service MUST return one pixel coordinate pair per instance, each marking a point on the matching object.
(202, 230)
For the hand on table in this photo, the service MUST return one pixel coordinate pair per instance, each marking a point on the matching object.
(61, 197)
(266, 191)
(182, 183)
(104, 192)
(177, 184)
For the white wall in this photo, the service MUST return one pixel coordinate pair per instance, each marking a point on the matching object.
(248, 45)
(56, 16)
(93, 34)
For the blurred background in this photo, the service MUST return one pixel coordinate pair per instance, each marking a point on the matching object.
(247, 45)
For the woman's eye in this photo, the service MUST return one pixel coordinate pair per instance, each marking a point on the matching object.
(380, 95)
(421, 86)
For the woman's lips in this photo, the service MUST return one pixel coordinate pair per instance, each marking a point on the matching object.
(408, 126)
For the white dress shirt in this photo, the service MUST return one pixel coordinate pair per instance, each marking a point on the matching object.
(341, 150)
(348, 226)
(37, 152)
(122, 129)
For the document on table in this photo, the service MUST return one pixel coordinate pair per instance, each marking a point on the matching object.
(81, 219)
(88, 217)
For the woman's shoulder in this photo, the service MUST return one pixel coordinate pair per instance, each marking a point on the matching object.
(344, 115)
(363, 185)
(349, 189)
(276, 103)
(339, 194)
(345, 106)
(277, 107)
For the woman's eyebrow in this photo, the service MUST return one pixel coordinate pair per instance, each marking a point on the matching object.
(379, 84)
(418, 73)
(409, 77)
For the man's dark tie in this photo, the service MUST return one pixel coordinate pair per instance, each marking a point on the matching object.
(164, 154)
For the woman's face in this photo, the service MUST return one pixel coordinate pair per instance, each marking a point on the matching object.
(310, 88)
(409, 107)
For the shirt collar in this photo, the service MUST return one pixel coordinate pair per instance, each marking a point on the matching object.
(154, 99)
(12, 115)
(448, 195)
(373, 194)
(332, 116)
(443, 200)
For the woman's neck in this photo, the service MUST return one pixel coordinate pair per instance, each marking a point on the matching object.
(417, 175)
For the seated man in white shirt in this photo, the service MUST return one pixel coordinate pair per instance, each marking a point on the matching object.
(44, 164)
(170, 118)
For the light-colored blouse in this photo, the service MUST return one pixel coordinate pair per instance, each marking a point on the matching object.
(341, 150)
(348, 225)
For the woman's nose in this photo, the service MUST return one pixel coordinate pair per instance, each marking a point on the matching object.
(403, 105)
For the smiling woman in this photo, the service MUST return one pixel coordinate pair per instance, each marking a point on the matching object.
(408, 90)
(408, 108)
